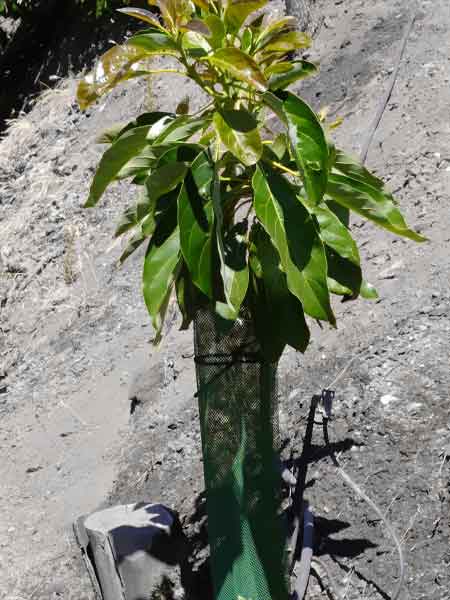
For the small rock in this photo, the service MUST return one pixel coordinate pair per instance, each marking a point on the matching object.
(388, 398)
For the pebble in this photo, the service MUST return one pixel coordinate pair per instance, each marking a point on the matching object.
(388, 398)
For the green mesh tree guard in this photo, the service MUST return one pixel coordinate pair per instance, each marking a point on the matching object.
(238, 417)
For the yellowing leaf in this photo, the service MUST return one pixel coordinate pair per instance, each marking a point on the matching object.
(245, 145)
(286, 42)
(118, 64)
(275, 27)
(238, 10)
(154, 43)
(142, 15)
(239, 65)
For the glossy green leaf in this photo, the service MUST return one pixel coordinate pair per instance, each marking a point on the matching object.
(133, 244)
(282, 320)
(187, 297)
(232, 253)
(372, 203)
(274, 28)
(196, 44)
(246, 146)
(309, 146)
(351, 167)
(285, 42)
(154, 43)
(294, 234)
(237, 11)
(195, 220)
(299, 69)
(275, 105)
(108, 136)
(122, 151)
(111, 134)
(161, 260)
(334, 234)
(344, 273)
(142, 15)
(239, 65)
(165, 179)
(368, 291)
(180, 129)
(280, 146)
(246, 39)
(240, 120)
(138, 165)
(118, 64)
(337, 288)
(217, 29)
(203, 174)
(135, 214)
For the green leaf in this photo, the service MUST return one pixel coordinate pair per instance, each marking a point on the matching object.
(293, 233)
(133, 244)
(161, 260)
(246, 146)
(123, 150)
(345, 273)
(236, 12)
(279, 315)
(165, 179)
(354, 169)
(240, 120)
(232, 253)
(135, 214)
(118, 64)
(195, 221)
(142, 15)
(138, 165)
(246, 39)
(217, 29)
(154, 43)
(334, 234)
(203, 174)
(368, 291)
(186, 297)
(309, 146)
(149, 118)
(276, 106)
(285, 42)
(180, 129)
(370, 202)
(275, 27)
(239, 65)
(337, 288)
(299, 69)
(195, 44)
(108, 136)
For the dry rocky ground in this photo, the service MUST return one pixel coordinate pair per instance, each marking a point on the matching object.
(74, 334)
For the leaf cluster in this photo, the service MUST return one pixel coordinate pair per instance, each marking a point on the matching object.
(232, 213)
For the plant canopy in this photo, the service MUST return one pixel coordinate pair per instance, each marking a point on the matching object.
(247, 201)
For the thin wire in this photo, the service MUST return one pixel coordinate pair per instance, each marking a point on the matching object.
(387, 95)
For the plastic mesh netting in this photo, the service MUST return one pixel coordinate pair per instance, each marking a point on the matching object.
(238, 416)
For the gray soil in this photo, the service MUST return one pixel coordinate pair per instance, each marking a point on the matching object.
(75, 351)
